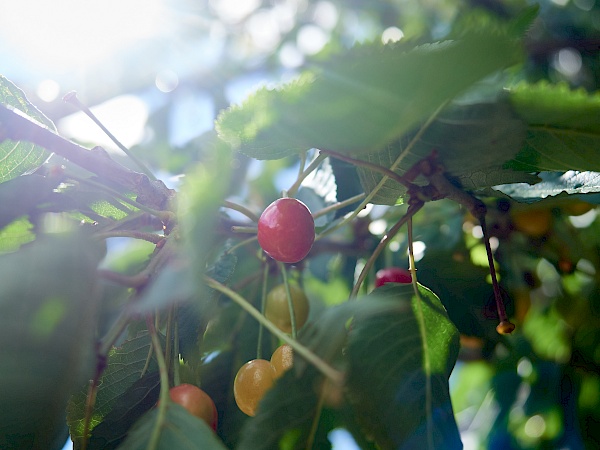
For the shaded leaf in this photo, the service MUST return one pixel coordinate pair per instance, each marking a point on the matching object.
(174, 284)
(178, 430)
(177, 283)
(563, 128)
(139, 398)
(20, 196)
(364, 99)
(287, 411)
(18, 158)
(125, 366)
(289, 408)
(193, 318)
(399, 366)
(47, 317)
(472, 142)
(203, 193)
(553, 184)
(16, 234)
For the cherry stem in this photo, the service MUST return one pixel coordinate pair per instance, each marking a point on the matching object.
(176, 378)
(241, 244)
(132, 281)
(438, 180)
(412, 210)
(318, 411)
(164, 386)
(71, 98)
(338, 205)
(331, 373)
(263, 303)
(241, 209)
(90, 400)
(311, 167)
(150, 237)
(160, 257)
(288, 294)
(302, 164)
(423, 332)
(114, 333)
(241, 229)
(369, 165)
(169, 342)
(411, 256)
(505, 326)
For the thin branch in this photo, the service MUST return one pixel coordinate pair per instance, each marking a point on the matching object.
(71, 98)
(241, 209)
(18, 127)
(369, 165)
(301, 176)
(423, 333)
(132, 281)
(303, 351)
(412, 210)
(338, 205)
(164, 386)
(150, 237)
(445, 189)
(409, 175)
(505, 326)
(263, 302)
(288, 296)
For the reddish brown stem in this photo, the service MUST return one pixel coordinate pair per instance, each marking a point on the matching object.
(505, 326)
(19, 128)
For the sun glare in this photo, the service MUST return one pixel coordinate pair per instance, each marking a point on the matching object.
(124, 115)
(74, 34)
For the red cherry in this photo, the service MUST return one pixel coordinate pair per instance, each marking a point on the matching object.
(286, 230)
(392, 275)
(196, 401)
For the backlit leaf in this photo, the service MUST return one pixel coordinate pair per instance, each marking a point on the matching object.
(563, 128)
(364, 99)
(139, 398)
(399, 369)
(18, 158)
(125, 366)
(472, 142)
(553, 184)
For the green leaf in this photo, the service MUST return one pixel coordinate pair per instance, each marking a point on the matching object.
(125, 366)
(193, 317)
(178, 430)
(139, 398)
(365, 98)
(553, 184)
(462, 286)
(472, 142)
(20, 196)
(563, 128)
(398, 372)
(289, 408)
(47, 323)
(203, 193)
(18, 158)
(16, 234)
